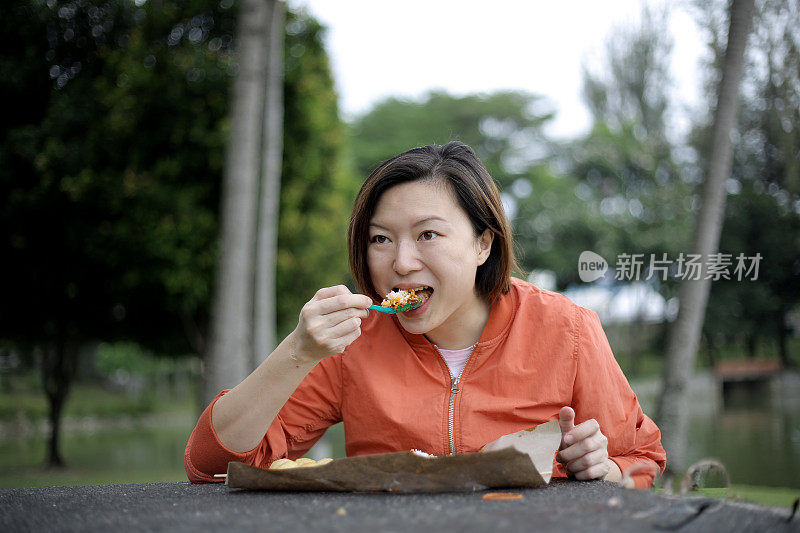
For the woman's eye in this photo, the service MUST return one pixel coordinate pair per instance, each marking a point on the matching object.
(427, 235)
(379, 239)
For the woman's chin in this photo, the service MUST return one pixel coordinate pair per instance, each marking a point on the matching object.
(415, 321)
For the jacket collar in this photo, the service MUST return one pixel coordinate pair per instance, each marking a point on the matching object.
(501, 316)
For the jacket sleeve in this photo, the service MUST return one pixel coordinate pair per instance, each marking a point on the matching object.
(313, 407)
(602, 392)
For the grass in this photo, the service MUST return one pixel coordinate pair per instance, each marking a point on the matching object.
(772, 496)
(84, 400)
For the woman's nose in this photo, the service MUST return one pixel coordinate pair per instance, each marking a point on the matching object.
(406, 259)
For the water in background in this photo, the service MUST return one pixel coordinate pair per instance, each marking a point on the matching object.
(757, 437)
(754, 432)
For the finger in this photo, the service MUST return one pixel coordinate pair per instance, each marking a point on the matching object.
(566, 419)
(336, 317)
(327, 292)
(338, 345)
(596, 441)
(341, 301)
(587, 461)
(597, 471)
(347, 340)
(343, 329)
(582, 431)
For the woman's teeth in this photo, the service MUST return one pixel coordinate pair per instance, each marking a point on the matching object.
(422, 291)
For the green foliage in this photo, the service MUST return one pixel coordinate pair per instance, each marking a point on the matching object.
(630, 88)
(130, 358)
(86, 400)
(553, 224)
(762, 214)
(112, 184)
(111, 161)
(630, 176)
(633, 183)
(757, 221)
(504, 129)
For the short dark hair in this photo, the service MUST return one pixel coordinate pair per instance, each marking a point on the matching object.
(456, 164)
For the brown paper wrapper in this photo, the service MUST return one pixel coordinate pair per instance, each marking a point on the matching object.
(509, 463)
(540, 443)
(402, 472)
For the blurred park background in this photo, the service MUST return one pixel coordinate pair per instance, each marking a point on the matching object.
(114, 156)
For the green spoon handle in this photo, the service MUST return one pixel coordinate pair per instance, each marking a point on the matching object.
(380, 308)
(391, 311)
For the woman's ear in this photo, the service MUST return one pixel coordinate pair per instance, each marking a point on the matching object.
(485, 245)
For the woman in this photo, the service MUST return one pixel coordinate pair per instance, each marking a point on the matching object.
(485, 354)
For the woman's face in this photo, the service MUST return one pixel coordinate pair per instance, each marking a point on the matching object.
(421, 238)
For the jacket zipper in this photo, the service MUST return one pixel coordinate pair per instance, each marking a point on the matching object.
(453, 390)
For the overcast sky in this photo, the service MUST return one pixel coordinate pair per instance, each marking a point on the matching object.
(380, 48)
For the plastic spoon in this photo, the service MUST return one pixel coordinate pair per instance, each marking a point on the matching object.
(393, 310)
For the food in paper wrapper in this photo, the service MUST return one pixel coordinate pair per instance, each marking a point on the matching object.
(522, 459)
(422, 454)
(303, 462)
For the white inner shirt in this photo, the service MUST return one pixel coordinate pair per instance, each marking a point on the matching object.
(456, 359)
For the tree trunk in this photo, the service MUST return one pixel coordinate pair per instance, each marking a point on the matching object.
(712, 354)
(58, 369)
(783, 333)
(269, 195)
(230, 348)
(752, 345)
(674, 403)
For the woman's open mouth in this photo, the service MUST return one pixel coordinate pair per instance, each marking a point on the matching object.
(423, 292)
(421, 295)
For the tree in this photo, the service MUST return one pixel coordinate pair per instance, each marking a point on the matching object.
(627, 162)
(631, 88)
(753, 308)
(110, 164)
(108, 233)
(684, 336)
(317, 185)
(230, 355)
(264, 319)
(504, 128)
(759, 217)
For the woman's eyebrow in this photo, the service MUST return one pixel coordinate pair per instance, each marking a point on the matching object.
(430, 219)
(415, 223)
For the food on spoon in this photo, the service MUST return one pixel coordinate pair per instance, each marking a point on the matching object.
(401, 297)
(303, 462)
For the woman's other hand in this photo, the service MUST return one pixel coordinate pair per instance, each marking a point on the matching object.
(329, 322)
(584, 449)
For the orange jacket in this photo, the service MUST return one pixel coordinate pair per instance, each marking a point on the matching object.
(537, 353)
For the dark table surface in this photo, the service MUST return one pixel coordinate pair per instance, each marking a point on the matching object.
(562, 506)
